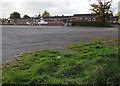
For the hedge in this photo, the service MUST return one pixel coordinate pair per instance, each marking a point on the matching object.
(101, 24)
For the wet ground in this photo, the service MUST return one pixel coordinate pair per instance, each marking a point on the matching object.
(17, 39)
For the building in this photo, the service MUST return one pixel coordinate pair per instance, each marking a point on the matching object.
(59, 20)
(84, 18)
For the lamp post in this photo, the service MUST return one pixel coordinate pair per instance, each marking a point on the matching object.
(118, 6)
(33, 20)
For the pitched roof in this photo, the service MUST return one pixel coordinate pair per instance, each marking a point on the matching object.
(57, 17)
(84, 15)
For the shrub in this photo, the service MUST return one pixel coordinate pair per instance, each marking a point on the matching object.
(98, 24)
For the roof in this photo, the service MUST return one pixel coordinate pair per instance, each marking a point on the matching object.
(21, 19)
(84, 15)
(63, 17)
(57, 17)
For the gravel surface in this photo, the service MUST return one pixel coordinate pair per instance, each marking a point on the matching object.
(17, 39)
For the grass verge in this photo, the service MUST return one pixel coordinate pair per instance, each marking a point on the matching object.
(88, 63)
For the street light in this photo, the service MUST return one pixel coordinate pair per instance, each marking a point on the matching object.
(33, 20)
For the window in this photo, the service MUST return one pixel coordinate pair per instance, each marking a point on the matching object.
(50, 19)
(89, 19)
(80, 18)
(8, 21)
(77, 18)
(114, 19)
(93, 19)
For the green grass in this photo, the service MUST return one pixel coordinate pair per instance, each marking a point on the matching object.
(87, 63)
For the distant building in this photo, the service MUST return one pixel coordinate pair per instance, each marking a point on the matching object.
(59, 20)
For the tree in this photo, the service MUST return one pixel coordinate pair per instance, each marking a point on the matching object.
(102, 10)
(46, 14)
(118, 14)
(39, 15)
(26, 17)
(15, 15)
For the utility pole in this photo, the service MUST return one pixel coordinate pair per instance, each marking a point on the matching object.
(118, 6)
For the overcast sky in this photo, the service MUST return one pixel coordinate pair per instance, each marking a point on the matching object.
(54, 7)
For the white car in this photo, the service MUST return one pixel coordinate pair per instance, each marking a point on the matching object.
(27, 23)
(42, 22)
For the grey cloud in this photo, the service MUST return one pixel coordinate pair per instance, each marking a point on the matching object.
(5, 8)
(36, 7)
(54, 7)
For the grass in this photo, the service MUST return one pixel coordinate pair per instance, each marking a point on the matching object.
(87, 63)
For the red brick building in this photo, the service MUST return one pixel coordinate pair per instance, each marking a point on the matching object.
(59, 20)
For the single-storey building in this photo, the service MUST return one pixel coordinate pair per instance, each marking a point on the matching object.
(59, 20)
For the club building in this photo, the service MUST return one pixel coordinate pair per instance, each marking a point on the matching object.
(59, 20)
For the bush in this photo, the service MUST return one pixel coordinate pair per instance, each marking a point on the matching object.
(98, 24)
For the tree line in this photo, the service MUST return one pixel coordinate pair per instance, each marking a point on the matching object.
(16, 15)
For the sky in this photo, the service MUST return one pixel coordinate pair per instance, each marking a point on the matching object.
(54, 7)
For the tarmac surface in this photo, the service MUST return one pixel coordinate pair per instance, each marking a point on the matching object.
(17, 39)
